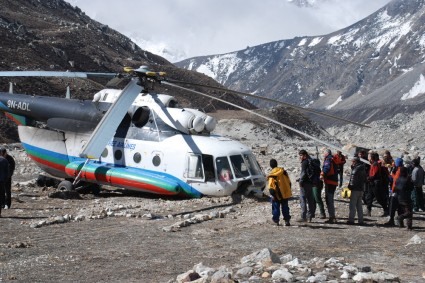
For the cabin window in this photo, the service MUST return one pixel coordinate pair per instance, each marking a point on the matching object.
(223, 168)
(156, 160)
(105, 153)
(194, 167)
(239, 166)
(118, 154)
(137, 157)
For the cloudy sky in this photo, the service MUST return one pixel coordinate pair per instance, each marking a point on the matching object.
(178, 29)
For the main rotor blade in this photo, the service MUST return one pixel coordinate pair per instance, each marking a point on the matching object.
(107, 127)
(272, 100)
(56, 74)
(257, 114)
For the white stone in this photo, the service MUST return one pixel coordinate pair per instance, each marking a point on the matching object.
(283, 274)
(415, 240)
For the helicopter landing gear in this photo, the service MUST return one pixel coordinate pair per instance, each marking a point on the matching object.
(65, 186)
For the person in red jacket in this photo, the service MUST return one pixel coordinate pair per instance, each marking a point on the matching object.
(376, 187)
(339, 160)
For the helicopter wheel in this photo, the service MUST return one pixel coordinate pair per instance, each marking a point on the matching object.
(65, 186)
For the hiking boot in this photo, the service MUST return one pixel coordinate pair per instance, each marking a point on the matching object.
(350, 222)
(310, 220)
(400, 222)
(331, 220)
(389, 223)
(287, 223)
(322, 216)
(301, 220)
(369, 212)
(361, 224)
(272, 222)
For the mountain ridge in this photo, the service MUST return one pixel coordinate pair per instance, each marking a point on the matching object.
(346, 65)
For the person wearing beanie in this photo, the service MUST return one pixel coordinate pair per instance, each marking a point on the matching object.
(418, 181)
(280, 191)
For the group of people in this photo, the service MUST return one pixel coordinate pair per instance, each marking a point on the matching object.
(7, 167)
(397, 187)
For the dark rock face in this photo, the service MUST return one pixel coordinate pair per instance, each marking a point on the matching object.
(52, 35)
(357, 65)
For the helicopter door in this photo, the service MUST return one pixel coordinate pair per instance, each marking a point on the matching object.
(194, 168)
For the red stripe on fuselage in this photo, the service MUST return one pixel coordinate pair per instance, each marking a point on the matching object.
(47, 163)
(120, 182)
(131, 184)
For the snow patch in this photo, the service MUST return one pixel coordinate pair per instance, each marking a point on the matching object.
(302, 42)
(315, 41)
(334, 104)
(321, 94)
(223, 64)
(417, 89)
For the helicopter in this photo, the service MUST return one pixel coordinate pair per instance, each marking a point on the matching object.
(133, 139)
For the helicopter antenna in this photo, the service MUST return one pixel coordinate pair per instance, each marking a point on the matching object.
(10, 87)
(257, 114)
(271, 100)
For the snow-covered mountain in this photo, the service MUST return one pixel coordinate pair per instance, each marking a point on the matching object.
(374, 66)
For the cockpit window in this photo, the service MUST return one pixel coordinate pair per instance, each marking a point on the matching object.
(252, 164)
(223, 168)
(239, 166)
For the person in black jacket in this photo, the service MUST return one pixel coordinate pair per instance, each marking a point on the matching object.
(307, 202)
(4, 175)
(8, 185)
(356, 185)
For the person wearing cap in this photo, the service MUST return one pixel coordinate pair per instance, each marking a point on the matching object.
(8, 188)
(329, 176)
(280, 192)
(356, 185)
(418, 181)
(4, 175)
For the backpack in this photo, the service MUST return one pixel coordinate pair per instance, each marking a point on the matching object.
(385, 175)
(313, 170)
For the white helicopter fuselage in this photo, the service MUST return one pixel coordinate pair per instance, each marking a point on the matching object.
(171, 152)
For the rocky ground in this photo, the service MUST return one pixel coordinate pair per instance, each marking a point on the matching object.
(124, 237)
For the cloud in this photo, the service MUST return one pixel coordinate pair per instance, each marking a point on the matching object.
(206, 27)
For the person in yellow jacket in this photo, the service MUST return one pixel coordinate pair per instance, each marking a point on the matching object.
(280, 192)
